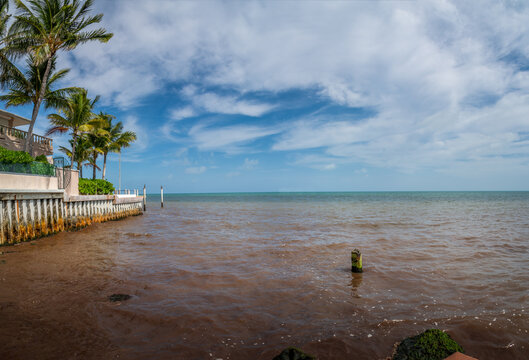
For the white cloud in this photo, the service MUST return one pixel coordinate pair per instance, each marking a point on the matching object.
(182, 113)
(314, 134)
(227, 138)
(132, 123)
(196, 170)
(178, 158)
(250, 163)
(320, 162)
(213, 103)
(424, 66)
(432, 53)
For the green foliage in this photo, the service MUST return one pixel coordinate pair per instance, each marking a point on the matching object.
(21, 162)
(42, 159)
(292, 353)
(14, 157)
(433, 344)
(95, 187)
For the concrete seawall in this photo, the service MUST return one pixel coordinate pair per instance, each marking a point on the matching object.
(26, 215)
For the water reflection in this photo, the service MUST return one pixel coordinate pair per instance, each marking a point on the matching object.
(356, 281)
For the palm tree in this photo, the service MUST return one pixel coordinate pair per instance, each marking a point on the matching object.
(43, 29)
(98, 137)
(116, 141)
(77, 117)
(4, 17)
(25, 88)
(82, 152)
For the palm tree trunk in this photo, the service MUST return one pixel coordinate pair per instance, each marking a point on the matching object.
(95, 166)
(28, 146)
(74, 142)
(80, 168)
(104, 165)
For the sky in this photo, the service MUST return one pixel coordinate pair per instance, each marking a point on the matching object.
(238, 96)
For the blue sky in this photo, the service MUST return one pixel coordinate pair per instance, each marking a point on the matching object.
(314, 95)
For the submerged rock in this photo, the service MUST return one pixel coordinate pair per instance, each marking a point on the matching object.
(433, 344)
(292, 353)
(119, 297)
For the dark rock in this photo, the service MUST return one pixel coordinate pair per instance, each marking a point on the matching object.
(119, 297)
(433, 344)
(292, 353)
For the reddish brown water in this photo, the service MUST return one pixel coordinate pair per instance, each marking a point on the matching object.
(242, 277)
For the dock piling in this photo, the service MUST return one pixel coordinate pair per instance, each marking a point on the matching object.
(161, 194)
(356, 261)
(144, 198)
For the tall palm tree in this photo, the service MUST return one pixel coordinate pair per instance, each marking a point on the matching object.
(43, 28)
(25, 88)
(116, 141)
(98, 137)
(77, 117)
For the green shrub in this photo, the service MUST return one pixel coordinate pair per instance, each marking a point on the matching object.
(35, 168)
(21, 162)
(433, 344)
(42, 159)
(95, 187)
(14, 157)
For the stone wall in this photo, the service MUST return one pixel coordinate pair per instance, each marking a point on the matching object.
(12, 181)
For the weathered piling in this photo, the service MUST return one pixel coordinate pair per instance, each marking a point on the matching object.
(356, 261)
(25, 215)
(144, 199)
(161, 195)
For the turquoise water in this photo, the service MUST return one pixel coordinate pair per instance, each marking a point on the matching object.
(349, 196)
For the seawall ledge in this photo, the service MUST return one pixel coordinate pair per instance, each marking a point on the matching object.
(30, 194)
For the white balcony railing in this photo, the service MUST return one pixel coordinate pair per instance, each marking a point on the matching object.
(22, 135)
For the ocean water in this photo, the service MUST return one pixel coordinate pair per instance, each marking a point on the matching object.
(242, 276)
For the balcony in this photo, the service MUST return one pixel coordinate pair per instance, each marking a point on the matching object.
(13, 139)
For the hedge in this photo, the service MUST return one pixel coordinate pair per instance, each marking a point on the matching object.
(21, 162)
(95, 187)
(42, 159)
(14, 157)
(35, 168)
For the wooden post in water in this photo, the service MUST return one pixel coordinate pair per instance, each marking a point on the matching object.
(356, 261)
(161, 194)
(144, 199)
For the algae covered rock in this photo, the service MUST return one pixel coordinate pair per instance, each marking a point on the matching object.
(292, 353)
(433, 344)
(356, 261)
